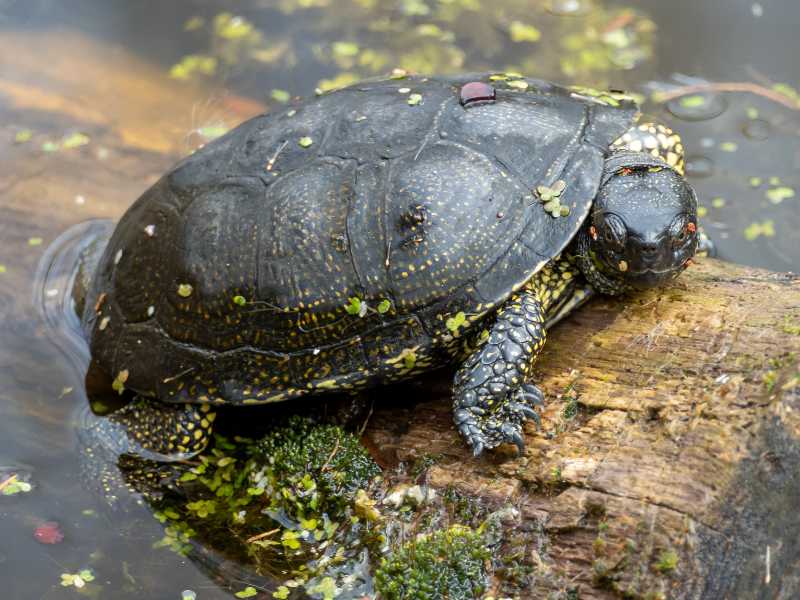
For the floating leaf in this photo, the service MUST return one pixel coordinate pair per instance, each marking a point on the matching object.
(185, 290)
(326, 587)
(779, 194)
(729, 146)
(212, 132)
(35, 241)
(281, 593)
(240, 300)
(522, 32)
(518, 84)
(247, 592)
(280, 95)
(22, 136)
(754, 230)
(305, 141)
(75, 140)
(414, 99)
(694, 101)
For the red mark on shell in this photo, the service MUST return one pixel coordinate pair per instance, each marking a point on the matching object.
(626, 171)
(691, 227)
(48, 533)
(477, 91)
(593, 232)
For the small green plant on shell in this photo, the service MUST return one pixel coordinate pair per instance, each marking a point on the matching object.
(551, 198)
(358, 307)
(455, 322)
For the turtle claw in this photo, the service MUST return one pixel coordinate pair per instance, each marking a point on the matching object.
(502, 424)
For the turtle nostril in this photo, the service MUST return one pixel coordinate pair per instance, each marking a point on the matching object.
(649, 248)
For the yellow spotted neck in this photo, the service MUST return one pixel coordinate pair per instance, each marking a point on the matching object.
(656, 139)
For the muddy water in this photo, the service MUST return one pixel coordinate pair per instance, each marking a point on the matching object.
(97, 98)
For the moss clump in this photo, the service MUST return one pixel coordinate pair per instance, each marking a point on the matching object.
(311, 467)
(286, 504)
(667, 561)
(445, 564)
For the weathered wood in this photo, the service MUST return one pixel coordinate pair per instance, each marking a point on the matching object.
(686, 440)
(669, 457)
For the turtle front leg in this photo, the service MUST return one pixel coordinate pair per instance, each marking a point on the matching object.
(491, 399)
(158, 430)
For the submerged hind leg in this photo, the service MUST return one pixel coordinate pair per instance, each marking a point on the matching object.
(157, 430)
(139, 450)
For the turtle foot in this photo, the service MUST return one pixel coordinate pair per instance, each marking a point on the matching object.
(501, 424)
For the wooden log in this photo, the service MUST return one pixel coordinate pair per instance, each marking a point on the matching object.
(668, 462)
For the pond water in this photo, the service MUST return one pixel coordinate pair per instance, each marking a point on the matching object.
(137, 84)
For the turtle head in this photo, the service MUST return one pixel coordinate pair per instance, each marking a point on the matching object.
(643, 226)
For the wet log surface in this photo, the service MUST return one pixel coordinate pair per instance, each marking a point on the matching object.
(668, 462)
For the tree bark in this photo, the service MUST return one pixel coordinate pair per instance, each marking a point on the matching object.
(668, 461)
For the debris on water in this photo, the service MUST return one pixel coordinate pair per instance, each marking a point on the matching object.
(728, 146)
(48, 532)
(2, 268)
(185, 290)
(22, 136)
(414, 99)
(35, 241)
(14, 482)
(79, 579)
(305, 141)
(776, 195)
(755, 230)
(193, 65)
(718, 202)
(188, 595)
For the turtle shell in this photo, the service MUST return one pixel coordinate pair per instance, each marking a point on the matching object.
(240, 275)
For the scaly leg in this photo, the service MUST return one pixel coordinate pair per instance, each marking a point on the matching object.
(491, 399)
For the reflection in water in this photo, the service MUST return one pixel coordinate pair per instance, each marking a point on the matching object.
(742, 149)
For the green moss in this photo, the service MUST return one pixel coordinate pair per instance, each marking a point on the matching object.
(324, 458)
(667, 561)
(445, 564)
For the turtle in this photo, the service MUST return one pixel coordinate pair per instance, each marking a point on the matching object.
(373, 233)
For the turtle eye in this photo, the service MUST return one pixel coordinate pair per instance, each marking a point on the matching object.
(681, 230)
(614, 233)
